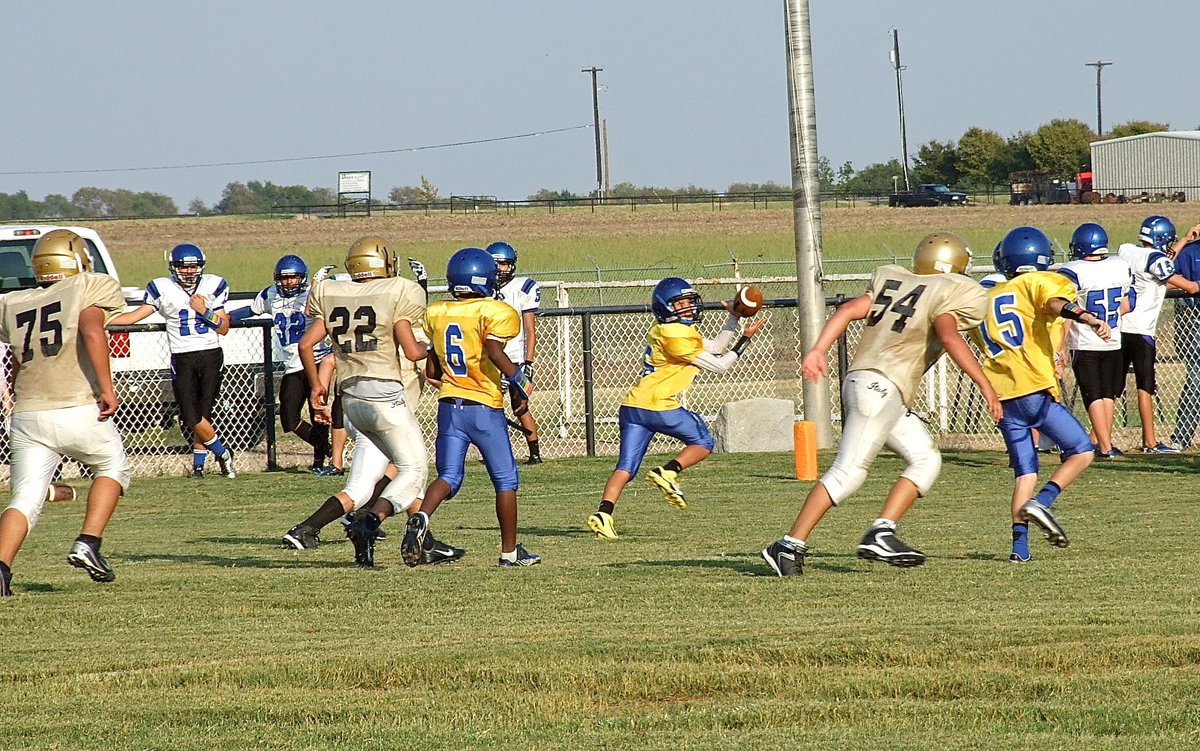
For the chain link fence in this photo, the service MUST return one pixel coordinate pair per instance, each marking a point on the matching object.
(591, 338)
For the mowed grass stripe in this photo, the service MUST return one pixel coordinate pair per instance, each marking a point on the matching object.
(670, 637)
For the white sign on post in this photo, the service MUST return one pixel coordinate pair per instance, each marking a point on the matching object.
(354, 182)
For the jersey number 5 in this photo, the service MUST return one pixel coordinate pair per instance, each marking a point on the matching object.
(1009, 327)
(904, 308)
(340, 320)
(42, 320)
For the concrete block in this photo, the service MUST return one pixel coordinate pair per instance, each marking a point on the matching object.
(754, 425)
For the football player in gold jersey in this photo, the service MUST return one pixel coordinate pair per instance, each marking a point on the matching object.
(1018, 342)
(467, 335)
(63, 396)
(675, 354)
(911, 317)
(369, 319)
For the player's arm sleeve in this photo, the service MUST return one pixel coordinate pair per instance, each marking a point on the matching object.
(4, 335)
(720, 342)
(314, 307)
(105, 293)
(715, 363)
(501, 322)
(410, 305)
(220, 295)
(531, 296)
(152, 294)
(967, 304)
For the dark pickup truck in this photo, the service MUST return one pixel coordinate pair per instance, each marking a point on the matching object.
(928, 194)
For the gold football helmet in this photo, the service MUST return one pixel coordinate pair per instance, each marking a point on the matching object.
(370, 257)
(58, 254)
(941, 253)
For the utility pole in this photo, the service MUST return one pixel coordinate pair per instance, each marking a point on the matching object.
(1099, 66)
(806, 208)
(596, 120)
(607, 168)
(900, 99)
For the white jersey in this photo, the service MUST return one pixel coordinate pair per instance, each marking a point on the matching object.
(525, 296)
(1102, 286)
(186, 330)
(992, 279)
(1151, 270)
(291, 322)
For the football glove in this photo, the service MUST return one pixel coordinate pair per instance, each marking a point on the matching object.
(323, 273)
(520, 383)
(418, 269)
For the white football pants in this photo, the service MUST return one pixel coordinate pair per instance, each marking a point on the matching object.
(391, 434)
(39, 440)
(876, 416)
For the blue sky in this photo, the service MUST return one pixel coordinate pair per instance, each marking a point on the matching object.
(694, 92)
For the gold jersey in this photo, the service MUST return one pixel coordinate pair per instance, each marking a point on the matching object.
(457, 329)
(42, 327)
(898, 339)
(361, 318)
(1019, 336)
(667, 369)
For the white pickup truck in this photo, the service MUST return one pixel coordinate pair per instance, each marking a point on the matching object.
(141, 362)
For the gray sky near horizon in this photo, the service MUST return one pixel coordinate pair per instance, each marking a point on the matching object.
(694, 92)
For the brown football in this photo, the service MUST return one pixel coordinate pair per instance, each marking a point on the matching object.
(748, 302)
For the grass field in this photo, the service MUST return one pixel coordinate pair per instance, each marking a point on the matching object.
(671, 637)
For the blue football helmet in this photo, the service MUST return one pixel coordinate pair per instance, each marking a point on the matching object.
(506, 262)
(291, 268)
(1157, 231)
(471, 272)
(1024, 249)
(186, 256)
(664, 302)
(996, 259)
(1089, 239)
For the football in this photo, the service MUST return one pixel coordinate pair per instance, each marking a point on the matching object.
(747, 302)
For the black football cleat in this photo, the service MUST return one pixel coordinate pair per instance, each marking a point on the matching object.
(301, 537)
(5, 581)
(881, 544)
(362, 534)
(437, 551)
(785, 558)
(1035, 512)
(88, 558)
(412, 547)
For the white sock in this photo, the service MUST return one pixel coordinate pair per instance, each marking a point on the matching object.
(881, 522)
(794, 541)
(510, 556)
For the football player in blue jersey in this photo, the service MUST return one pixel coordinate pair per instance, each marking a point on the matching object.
(193, 304)
(525, 296)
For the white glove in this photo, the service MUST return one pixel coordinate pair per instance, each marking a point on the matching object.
(418, 269)
(323, 272)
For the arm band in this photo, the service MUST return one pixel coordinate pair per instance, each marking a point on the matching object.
(1073, 312)
(741, 345)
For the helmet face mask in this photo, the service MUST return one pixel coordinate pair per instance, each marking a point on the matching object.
(59, 254)
(505, 256)
(674, 300)
(471, 272)
(941, 253)
(1089, 239)
(1157, 232)
(186, 263)
(370, 257)
(291, 276)
(1022, 250)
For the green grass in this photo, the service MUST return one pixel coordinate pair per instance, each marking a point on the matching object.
(671, 637)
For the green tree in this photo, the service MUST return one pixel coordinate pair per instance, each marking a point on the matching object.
(20, 206)
(936, 162)
(405, 194)
(427, 193)
(545, 194)
(1017, 157)
(198, 207)
(58, 206)
(981, 156)
(1136, 128)
(876, 178)
(238, 199)
(844, 175)
(1062, 147)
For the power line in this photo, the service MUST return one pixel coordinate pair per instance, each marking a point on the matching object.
(299, 158)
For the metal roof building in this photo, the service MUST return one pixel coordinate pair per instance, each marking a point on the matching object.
(1153, 163)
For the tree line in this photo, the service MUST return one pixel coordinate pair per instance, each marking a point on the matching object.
(978, 160)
